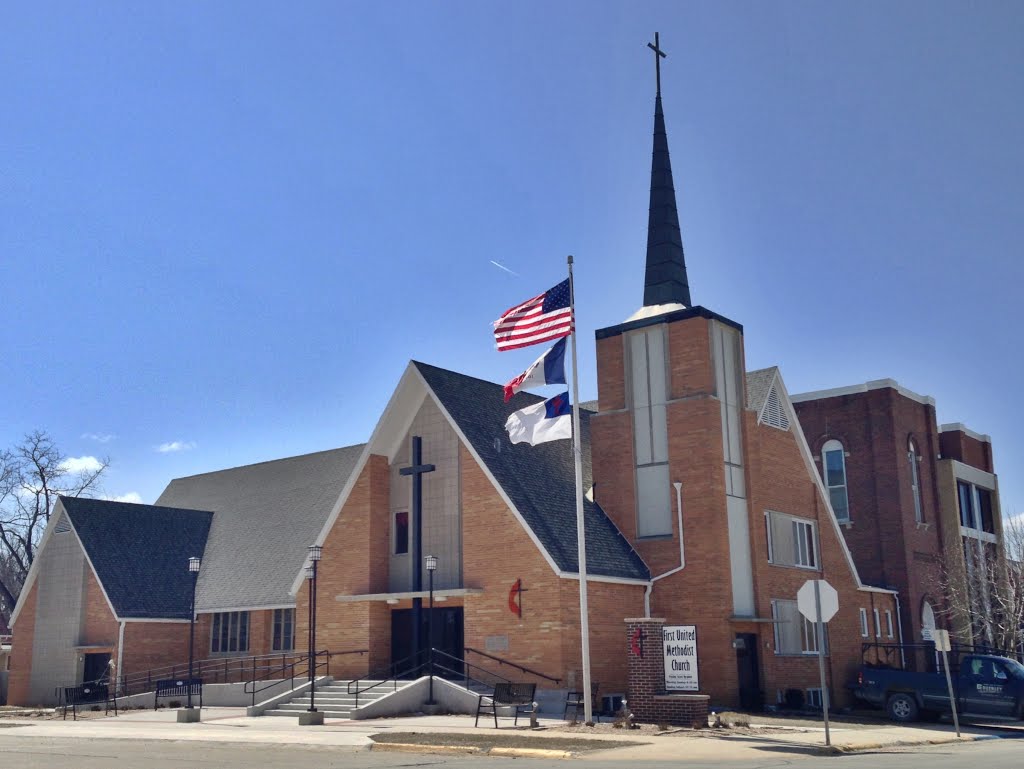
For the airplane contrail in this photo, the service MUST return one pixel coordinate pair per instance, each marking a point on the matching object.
(503, 267)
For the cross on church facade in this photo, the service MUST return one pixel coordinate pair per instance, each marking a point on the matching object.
(658, 56)
(417, 470)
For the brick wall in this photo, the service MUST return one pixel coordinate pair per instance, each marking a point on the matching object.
(958, 445)
(21, 652)
(888, 546)
(780, 482)
(646, 697)
(99, 626)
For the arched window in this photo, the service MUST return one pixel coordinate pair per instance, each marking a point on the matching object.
(927, 621)
(915, 478)
(833, 462)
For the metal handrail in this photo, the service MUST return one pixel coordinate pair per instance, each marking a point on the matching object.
(292, 667)
(391, 676)
(515, 665)
(212, 670)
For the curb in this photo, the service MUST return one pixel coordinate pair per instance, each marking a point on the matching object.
(404, 747)
(843, 750)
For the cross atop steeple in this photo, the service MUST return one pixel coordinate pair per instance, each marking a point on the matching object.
(665, 281)
(658, 56)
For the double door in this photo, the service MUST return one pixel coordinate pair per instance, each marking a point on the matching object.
(446, 627)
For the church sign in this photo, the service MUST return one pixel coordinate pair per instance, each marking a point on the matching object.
(680, 643)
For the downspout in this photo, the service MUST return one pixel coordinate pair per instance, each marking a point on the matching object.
(682, 557)
(120, 655)
(899, 625)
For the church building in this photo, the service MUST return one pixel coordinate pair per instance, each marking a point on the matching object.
(705, 508)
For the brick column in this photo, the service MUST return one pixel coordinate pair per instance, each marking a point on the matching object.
(646, 695)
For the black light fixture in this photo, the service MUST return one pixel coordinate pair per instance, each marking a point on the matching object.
(193, 568)
(430, 563)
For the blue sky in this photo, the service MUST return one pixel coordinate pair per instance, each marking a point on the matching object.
(226, 227)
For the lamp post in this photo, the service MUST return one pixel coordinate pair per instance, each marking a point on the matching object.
(312, 717)
(430, 562)
(190, 714)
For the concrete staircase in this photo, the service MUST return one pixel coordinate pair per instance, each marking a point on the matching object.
(333, 699)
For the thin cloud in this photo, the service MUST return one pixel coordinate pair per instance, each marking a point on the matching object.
(99, 437)
(81, 465)
(175, 446)
(132, 496)
(500, 266)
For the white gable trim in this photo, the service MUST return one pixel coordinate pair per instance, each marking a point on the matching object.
(805, 453)
(394, 407)
(55, 516)
(33, 570)
(494, 481)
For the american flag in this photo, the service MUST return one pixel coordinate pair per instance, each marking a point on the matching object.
(536, 320)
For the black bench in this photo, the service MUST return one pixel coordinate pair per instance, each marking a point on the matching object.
(574, 701)
(517, 696)
(178, 687)
(88, 694)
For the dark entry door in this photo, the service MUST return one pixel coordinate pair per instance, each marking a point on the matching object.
(447, 628)
(96, 667)
(749, 671)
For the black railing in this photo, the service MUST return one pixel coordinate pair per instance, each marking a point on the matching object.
(297, 668)
(393, 673)
(214, 670)
(514, 665)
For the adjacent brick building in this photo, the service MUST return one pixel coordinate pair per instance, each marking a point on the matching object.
(912, 496)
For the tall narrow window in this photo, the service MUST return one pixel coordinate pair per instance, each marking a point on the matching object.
(863, 623)
(915, 479)
(878, 624)
(966, 499)
(284, 630)
(888, 623)
(985, 510)
(401, 533)
(648, 379)
(230, 632)
(833, 460)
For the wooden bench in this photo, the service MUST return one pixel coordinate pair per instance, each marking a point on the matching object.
(88, 694)
(517, 696)
(178, 687)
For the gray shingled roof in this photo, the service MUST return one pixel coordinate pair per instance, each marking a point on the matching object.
(267, 514)
(540, 480)
(759, 383)
(140, 553)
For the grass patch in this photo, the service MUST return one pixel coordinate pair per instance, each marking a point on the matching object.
(486, 741)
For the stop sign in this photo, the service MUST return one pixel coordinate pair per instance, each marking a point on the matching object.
(827, 595)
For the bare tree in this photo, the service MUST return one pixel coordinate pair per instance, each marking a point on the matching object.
(984, 586)
(33, 474)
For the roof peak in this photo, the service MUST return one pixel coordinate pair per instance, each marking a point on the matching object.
(665, 281)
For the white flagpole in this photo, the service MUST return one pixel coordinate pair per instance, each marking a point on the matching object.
(577, 451)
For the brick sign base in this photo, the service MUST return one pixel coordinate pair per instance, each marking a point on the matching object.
(646, 696)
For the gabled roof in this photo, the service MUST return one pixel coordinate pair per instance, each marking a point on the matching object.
(140, 553)
(539, 480)
(267, 514)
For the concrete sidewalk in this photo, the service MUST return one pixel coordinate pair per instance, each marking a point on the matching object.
(230, 725)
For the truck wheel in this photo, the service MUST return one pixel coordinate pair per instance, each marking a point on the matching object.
(902, 708)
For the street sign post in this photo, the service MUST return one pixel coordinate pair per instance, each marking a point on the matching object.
(818, 601)
(942, 644)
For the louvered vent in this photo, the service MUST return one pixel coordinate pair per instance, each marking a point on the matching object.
(774, 413)
(62, 525)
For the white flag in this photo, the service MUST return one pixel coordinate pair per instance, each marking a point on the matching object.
(549, 420)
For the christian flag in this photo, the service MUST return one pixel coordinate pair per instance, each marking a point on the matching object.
(549, 368)
(541, 319)
(549, 420)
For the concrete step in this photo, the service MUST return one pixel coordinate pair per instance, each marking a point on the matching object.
(295, 713)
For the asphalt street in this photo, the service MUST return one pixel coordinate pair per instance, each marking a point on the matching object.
(25, 752)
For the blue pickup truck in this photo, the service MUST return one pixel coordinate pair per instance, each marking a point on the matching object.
(983, 685)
